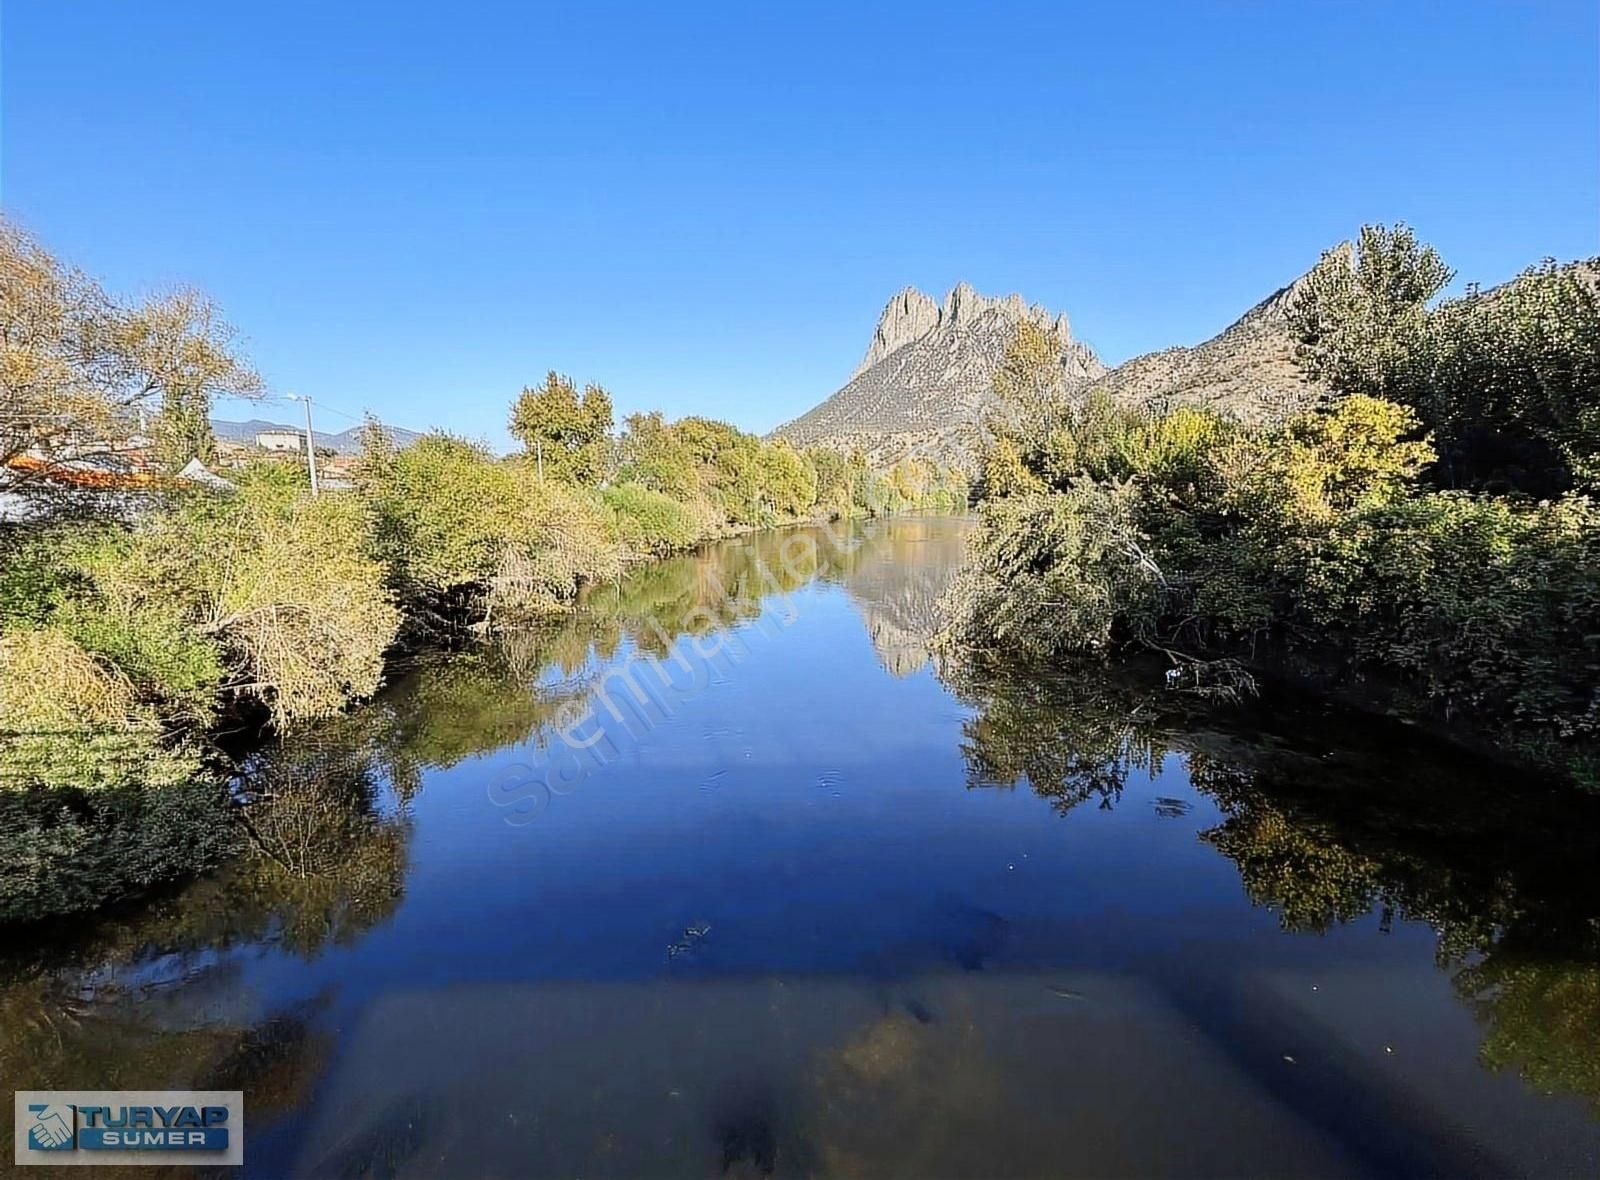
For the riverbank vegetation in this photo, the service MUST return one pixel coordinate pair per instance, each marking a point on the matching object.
(141, 614)
(1428, 538)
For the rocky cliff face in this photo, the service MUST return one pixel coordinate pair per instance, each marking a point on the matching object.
(927, 377)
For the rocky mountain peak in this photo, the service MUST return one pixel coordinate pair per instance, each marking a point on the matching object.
(908, 315)
(1247, 371)
(928, 373)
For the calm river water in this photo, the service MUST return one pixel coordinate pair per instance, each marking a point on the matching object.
(727, 875)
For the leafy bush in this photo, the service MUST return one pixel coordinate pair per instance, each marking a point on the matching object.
(444, 511)
(1507, 382)
(450, 517)
(1490, 609)
(650, 524)
(282, 581)
(1055, 571)
(100, 592)
(270, 592)
(561, 539)
(69, 720)
(300, 602)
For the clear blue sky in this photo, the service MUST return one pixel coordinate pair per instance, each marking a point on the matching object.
(418, 208)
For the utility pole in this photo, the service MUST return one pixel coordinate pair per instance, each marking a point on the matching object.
(311, 446)
(538, 448)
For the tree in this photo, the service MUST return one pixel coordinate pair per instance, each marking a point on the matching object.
(1361, 325)
(1003, 472)
(839, 478)
(78, 370)
(1509, 381)
(789, 483)
(1505, 378)
(654, 454)
(1030, 385)
(568, 434)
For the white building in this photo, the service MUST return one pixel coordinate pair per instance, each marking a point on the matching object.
(280, 440)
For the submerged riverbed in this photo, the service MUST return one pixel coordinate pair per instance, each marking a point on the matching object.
(728, 874)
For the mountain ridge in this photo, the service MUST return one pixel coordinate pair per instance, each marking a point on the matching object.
(345, 442)
(1247, 370)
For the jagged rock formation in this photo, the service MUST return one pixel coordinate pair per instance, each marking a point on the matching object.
(927, 376)
(1248, 370)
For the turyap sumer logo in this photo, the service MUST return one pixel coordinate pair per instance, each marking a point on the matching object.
(129, 1126)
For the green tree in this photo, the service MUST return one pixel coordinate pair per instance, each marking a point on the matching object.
(789, 484)
(1507, 382)
(1362, 321)
(569, 434)
(654, 454)
(1030, 383)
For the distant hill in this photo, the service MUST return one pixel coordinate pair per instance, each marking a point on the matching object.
(925, 380)
(346, 442)
(1247, 370)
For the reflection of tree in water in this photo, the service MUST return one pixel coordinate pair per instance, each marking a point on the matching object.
(716, 587)
(125, 1017)
(128, 1000)
(1541, 1019)
(65, 851)
(315, 849)
(1302, 872)
(327, 843)
(1327, 822)
(474, 702)
(896, 571)
(1071, 733)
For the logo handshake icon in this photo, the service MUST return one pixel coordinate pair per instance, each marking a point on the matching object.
(51, 1129)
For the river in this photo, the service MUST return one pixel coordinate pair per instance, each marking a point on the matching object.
(729, 874)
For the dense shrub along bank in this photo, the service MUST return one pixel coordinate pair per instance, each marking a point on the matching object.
(1339, 542)
(137, 634)
(133, 636)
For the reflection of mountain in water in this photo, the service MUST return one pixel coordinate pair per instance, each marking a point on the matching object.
(897, 577)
